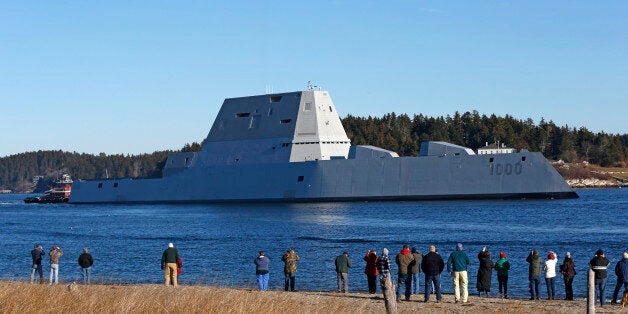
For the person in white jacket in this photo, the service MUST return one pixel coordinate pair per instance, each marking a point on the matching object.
(550, 274)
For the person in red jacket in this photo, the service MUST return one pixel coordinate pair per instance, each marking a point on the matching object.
(371, 270)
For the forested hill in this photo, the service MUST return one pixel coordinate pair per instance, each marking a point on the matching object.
(17, 171)
(400, 133)
(403, 134)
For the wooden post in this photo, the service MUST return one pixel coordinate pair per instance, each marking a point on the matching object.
(591, 292)
(390, 298)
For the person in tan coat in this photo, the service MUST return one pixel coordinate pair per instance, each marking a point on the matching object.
(55, 253)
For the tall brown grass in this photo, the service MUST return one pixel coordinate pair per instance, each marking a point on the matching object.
(20, 297)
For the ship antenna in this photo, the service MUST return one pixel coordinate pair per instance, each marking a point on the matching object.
(309, 85)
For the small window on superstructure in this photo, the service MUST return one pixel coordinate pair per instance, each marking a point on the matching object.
(275, 98)
(243, 114)
(490, 159)
(115, 184)
(284, 121)
(523, 158)
(308, 106)
(300, 179)
(331, 110)
(100, 185)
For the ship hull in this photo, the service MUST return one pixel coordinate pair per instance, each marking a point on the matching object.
(524, 175)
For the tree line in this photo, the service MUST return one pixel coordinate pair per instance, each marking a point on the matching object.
(400, 133)
(403, 134)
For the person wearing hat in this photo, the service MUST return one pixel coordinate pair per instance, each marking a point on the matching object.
(599, 263)
(416, 269)
(568, 270)
(502, 266)
(432, 267)
(261, 270)
(534, 272)
(621, 270)
(383, 265)
(55, 253)
(485, 272)
(550, 274)
(404, 261)
(457, 268)
(289, 269)
(37, 253)
(343, 263)
(169, 260)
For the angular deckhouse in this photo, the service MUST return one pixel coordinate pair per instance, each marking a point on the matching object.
(291, 147)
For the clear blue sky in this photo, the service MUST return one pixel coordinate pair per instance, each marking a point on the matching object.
(139, 76)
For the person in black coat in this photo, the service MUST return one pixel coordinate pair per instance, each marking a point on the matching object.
(432, 267)
(485, 272)
(86, 261)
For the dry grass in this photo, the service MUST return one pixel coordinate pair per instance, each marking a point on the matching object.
(19, 297)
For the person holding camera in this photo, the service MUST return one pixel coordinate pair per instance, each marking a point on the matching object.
(55, 254)
(37, 253)
(370, 270)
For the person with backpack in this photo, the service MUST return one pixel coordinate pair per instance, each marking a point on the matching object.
(534, 272)
(502, 266)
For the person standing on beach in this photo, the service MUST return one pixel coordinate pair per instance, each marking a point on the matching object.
(37, 254)
(457, 268)
(432, 266)
(485, 272)
(55, 253)
(416, 269)
(568, 270)
(404, 261)
(550, 274)
(290, 268)
(621, 270)
(534, 272)
(371, 270)
(343, 263)
(169, 260)
(262, 264)
(86, 261)
(502, 267)
(599, 263)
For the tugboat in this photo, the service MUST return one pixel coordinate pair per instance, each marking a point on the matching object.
(59, 193)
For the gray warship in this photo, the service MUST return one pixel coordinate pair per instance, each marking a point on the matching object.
(292, 147)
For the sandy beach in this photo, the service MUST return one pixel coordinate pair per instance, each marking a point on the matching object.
(34, 298)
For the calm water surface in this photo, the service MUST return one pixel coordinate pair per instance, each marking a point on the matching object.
(219, 242)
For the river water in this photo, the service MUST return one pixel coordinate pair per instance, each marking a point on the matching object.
(219, 242)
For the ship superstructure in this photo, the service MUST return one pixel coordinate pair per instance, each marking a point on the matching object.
(291, 147)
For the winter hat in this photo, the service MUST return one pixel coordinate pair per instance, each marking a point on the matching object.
(414, 250)
(170, 244)
(625, 254)
(599, 253)
(385, 251)
(502, 255)
(459, 245)
(550, 255)
(568, 255)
